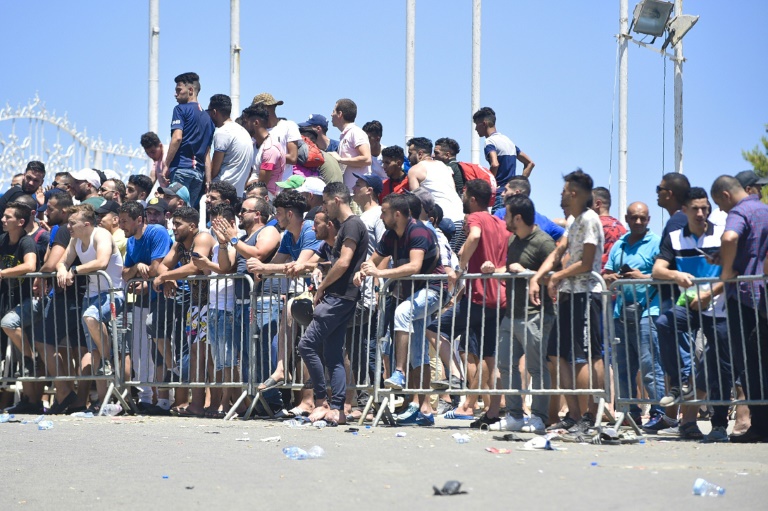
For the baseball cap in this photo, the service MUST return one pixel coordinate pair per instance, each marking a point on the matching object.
(426, 198)
(315, 120)
(762, 181)
(747, 178)
(313, 185)
(294, 181)
(89, 175)
(109, 206)
(266, 99)
(176, 190)
(158, 205)
(373, 181)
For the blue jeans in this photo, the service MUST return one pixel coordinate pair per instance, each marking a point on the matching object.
(633, 353)
(266, 311)
(99, 307)
(412, 315)
(674, 344)
(220, 330)
(193, 180)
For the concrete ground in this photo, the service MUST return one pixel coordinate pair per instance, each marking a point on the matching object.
(171, 463)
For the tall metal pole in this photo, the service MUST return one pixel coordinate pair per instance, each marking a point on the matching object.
(234, 56)
(154, 63)
(475, 99)
(623, 74)
(679, 96)
(410, 67)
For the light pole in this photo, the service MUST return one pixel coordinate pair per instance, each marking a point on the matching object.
(410, 68)
(234, 55)
(623, 86)
(679, 96)
(475, 98)
(154, 63)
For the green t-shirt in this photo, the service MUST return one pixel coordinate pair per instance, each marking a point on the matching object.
(530, 252)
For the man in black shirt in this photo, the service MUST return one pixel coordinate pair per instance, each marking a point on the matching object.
(335, 303)
(33, 179)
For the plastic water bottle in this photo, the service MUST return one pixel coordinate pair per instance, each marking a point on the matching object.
(316, 452)
(320, 424)
(111, 409)
(297, 453)
(294, 423)
(43, 425)
(706, 489)
(460, 438)
(82, 415)
(5, 417)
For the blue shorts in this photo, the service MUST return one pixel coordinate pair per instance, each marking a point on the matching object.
(99, 307)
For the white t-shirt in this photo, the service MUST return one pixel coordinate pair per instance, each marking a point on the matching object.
(284, 131)
(351, 138)
(376, 229)
(221, 292)
(439, 181)
(586, 228)
(234, 141)
(377, 167)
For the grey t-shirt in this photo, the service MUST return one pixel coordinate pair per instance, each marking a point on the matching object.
(530, 252)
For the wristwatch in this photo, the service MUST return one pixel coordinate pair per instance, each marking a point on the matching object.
(73, 270)
(234, 241)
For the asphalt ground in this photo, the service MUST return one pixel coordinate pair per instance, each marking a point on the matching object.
(171, 463)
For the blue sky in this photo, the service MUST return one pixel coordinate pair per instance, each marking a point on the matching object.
(548, 72)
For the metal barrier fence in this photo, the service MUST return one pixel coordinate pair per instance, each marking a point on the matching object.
(689, 347)
(61, 336)
(419, 315)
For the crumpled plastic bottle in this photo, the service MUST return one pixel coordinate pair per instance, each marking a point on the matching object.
(704, 488)
(43, 425)
(5, 417)
(461, 438)
(111, 409)
(82, 415)
(297, 453)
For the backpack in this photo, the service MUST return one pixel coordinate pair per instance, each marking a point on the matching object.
(473, 171)
(310, 156)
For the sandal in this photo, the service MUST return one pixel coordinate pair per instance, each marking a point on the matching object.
(271, 383)
(184, 412)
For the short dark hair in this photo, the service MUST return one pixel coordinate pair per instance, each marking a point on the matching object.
(257, 184)
(223, 210)
(258, 110)
(521, 205)
(422, 143)
(334, 221)
(373, 128)
(227, 192)
(480, 190)
(60, 174)
(414, 204)
(348, 109)
(602, 193)
(133, 209)
(291, 199)
(696, 193)
(187, 214)
(485, 114)
(222, 103)
(149, 140)
(521, 183)
(394, 152)
(20, 174)
(30, 202)
(36, 166)
(86, 211)
(437, 214)
(450, 144)
(339, 190)
(306, 131)
(62, 198)
(398, 202)
(725, 184)
(20, 210)
(141, 181)
(189, 79)
(119, 187)
(580, 179)
(262, 206)
(678, 184)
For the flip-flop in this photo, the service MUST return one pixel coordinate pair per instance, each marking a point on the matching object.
(271, 383)
(296, 411)
(184, 412)
(457, 416)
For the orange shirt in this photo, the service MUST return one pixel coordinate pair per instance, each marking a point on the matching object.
(392, 187)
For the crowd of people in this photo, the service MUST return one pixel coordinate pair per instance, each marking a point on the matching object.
(263, 197)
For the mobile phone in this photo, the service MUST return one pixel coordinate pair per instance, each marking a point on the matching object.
(625, 268)
(195, 254)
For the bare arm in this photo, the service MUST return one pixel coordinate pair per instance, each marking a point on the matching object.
(103, 244)
(28, 265)
(527, 163)
(416, 175)
(361, 160)
(291, 153)
(728, 245)
(173, 148)
(493, 162)
(216, 161)
(370, 269)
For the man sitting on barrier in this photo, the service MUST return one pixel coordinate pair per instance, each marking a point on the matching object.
(413, 249)
(693, 249)
(97, 251)
(635, 315)
(576, 342)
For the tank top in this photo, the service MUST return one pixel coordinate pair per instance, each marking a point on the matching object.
(439, 181)
(114, 267)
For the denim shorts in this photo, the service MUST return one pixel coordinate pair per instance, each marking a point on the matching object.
(28, 314)
(221, 338)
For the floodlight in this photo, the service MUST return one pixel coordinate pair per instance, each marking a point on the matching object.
(678, 27)
(651, 16)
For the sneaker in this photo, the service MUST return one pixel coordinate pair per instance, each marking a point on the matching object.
(508, 423)
(534, 425)
(25, 407)
(410, 415)
(564, 423)
(689, 431)
(718, 435)
(61, 408)
(484, 420)
(105, 369)
(672, 397)
(425, 420)
(444, 407)
(658, 422)
(453, 383)
(396, 381)
(155, 410)
(586, 423)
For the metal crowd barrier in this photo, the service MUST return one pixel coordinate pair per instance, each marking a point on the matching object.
(713, 357)
(55, 348)
(192, 335)
(535, 334)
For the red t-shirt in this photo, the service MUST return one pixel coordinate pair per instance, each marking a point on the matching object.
(492, 247)
(391, 187)
(613, 231)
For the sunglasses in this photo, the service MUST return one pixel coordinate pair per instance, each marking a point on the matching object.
(660, 188)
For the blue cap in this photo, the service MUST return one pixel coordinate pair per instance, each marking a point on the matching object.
(373, 181)
(315, 120)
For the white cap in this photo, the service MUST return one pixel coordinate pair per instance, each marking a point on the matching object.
(313, 185)
(89, 175)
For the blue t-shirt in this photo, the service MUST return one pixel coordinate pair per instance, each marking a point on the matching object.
(333, 146)
(197, 128)
(506, 153)
(544, 223)
(153, 244)
(639, 256)
(306, 241)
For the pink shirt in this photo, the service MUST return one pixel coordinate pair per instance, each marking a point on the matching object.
(273, 161)
(351, 138)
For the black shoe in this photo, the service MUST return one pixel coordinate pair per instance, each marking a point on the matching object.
(25, 407)
(484, 420)
(586, 422)
(156, 410)
(751, 436)
(61, 408)
(453, 383)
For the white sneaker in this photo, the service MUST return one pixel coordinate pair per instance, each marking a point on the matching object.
(535, 425)
(509, 423)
